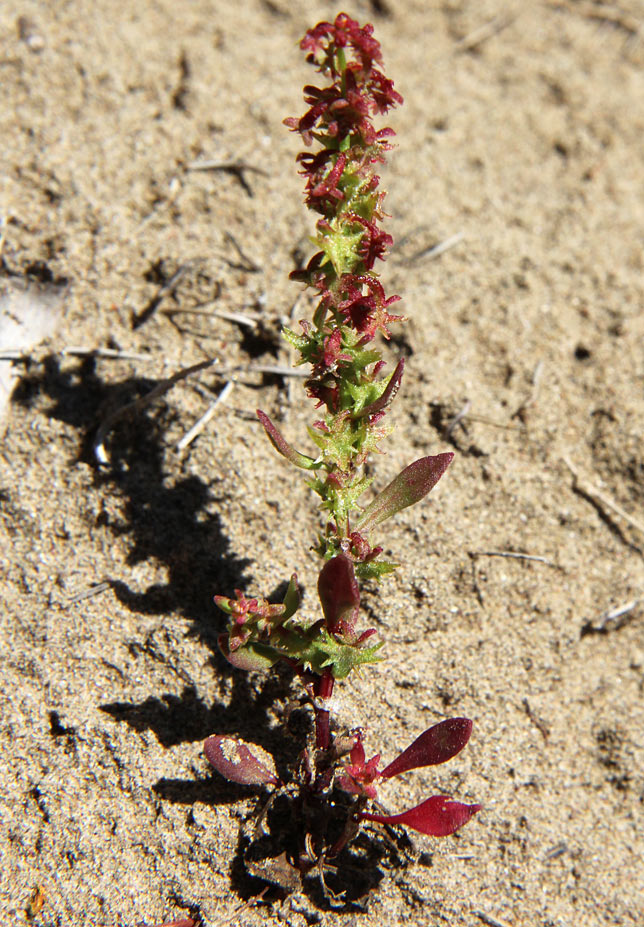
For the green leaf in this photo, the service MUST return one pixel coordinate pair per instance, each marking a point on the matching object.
(411, 485)
(375, 569)
(251, 656)
(325, 652)
(292, 599)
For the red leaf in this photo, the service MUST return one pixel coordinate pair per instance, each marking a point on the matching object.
(281, 444)
(390, 391)
(438, 816)
(182, 922)
(411, 484)
(240, 762)
(436, 745)
(339, 594)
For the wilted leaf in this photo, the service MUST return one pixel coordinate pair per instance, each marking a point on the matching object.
(237, 761)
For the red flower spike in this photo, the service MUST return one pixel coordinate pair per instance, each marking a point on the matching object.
(339, 595)
(240, 762)
(411, 485)
(436, 745)
(438, 816)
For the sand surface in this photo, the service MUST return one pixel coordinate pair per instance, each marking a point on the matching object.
(519, 149)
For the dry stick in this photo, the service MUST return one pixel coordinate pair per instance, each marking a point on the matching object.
(603, 12)
(599, 498)
(201, 423)
(541, 726)
(240, 318)
(232, 167)
(15, 354)
(612, 620)
(513, 554)
(458, 418)
(483, 33)
(255, 900)
(141, 403)
(483, 420)
(557, 850)
(436, 250)
(87, 593)
(490, 921)
(165, 290)
(536, 377)
(236, 168)
(247, 264)
(104, 353)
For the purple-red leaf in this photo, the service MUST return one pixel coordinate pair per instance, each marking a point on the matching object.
(388, 394)
(436, 745)
(438, 816)
(240, 762)
(339, 594)
(281, 445)
(411, 484)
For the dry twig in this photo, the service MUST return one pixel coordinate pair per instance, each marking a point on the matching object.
(536, 377)
(165, 290)
(458, 418)
(88, 593)
(201, 423)
(439, 248)
(490, 921)
(478, 36)
(236, 168)
(138, 404)
(602, 12)
(613, 619)
(246, 263)
(600, 499)
(541, 726)
(104, 353)
(516, 555)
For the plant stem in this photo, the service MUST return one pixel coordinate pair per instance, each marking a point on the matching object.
(323, 690)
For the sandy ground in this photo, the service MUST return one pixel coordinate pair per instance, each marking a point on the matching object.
(521, 135)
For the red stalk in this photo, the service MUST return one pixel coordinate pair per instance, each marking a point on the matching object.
(323, 689)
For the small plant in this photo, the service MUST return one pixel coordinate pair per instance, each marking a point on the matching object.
(328, 791)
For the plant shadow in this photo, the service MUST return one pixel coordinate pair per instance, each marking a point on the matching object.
(174, 522)
(171, 521)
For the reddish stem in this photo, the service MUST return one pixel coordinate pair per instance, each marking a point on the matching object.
(323, 689)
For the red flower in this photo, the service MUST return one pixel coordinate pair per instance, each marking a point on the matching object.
(358, 775)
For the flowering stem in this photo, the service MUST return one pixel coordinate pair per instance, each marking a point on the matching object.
(323, 689)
